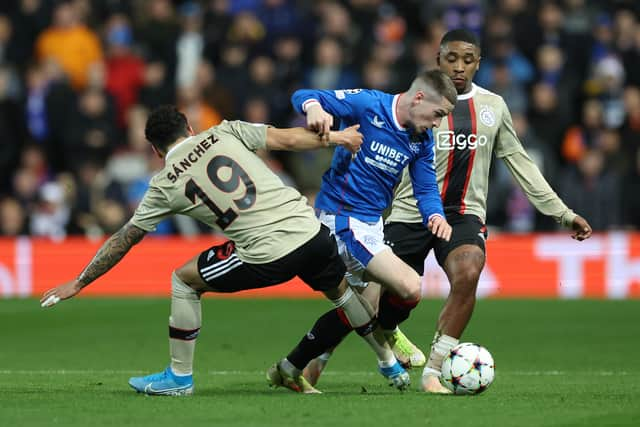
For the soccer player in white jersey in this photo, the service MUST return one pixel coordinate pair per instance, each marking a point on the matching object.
(216, 177)
(479, 126)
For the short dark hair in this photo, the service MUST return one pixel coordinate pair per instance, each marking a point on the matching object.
(440, 82)
(165, 125)
(460, 35)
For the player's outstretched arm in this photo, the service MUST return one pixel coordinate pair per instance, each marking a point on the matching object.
(582, 229)
(109, 254)
(300, 139)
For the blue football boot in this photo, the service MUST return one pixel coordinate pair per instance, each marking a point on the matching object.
(396, 375)
(163, 383)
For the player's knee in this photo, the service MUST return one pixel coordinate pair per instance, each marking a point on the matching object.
(410, 291)
(185, 276)
(465, 282)
(180, 288)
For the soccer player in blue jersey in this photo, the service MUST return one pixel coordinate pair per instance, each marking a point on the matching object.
(357, 189)
(479, 128)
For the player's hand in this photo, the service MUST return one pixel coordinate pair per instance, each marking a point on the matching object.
(59, 293)
(439, 227)
(319, 121)
(582, 229)
(349, 138)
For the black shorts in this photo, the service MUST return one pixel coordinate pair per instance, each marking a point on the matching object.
(412, 242)
(316, 262)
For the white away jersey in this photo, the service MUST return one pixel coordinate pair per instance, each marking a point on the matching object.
(479, 125)
(216, 178)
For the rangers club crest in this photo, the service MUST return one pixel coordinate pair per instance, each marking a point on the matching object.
(414, 147)
(487, 116)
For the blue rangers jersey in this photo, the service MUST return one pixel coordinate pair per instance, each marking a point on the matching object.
(362, 187)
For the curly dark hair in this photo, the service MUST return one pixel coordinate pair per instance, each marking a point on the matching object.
(164, 125)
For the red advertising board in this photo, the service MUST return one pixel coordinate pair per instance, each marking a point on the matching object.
(540, 265)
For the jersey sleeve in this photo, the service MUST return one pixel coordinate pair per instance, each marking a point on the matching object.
(152, 209)
(252, 135)
(343, 103)
(526, 173)
(537, 189)
(422, 172)
(507, 141)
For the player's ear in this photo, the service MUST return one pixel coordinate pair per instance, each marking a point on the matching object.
(155, 150)
(190, 129)
(438, 58)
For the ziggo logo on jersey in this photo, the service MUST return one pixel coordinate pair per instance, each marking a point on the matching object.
(448, 140)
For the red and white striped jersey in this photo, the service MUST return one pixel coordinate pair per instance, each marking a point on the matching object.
(479, 125)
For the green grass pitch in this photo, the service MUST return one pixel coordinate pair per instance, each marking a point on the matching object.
(558, 363)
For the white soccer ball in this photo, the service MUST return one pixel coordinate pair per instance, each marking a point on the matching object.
(468, 369)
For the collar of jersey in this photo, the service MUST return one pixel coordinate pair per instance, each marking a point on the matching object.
(394, 106)
(176, 146)
(469, 94)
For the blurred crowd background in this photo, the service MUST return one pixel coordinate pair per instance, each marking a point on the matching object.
(77, 79)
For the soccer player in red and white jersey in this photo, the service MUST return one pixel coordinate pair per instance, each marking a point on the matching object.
(479, 126)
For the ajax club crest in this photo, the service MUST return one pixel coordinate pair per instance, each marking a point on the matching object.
(487, 116)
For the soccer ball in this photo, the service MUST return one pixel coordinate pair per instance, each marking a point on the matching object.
(468, 369)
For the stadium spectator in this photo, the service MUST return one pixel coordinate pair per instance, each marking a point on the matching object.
(216, 23)
(505, 86)
(190, 44)
(71, 43)
(13, 132)
(51, 214)
(263, 84)
(631, 195)
(287, 51)
(156, 88)
(336, 22)
(214, 93)
(28, 18)
(279, 17)
(94, 186)
(593, 190)
(232, 72)
(546, 116)
(201, 115)
(630, 130)
(13, 218)
(503, 49)
(93, 134)
(628, 44)
(36, 82)
(124, 68)
(580, 138)
(158, 32)
(467, 14)
(329, 69)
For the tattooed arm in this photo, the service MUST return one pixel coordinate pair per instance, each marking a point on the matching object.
(109, 254)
